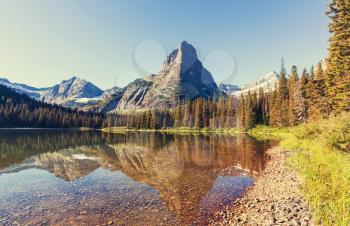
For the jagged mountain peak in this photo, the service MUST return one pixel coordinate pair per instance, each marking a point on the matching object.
(182, 77)
(271, 74)
(71, 92)
(187, 51)
(4, 80)
(184, 57)
(73, 79)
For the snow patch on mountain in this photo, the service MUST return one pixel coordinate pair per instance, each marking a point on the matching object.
(32, 92)
(73, 92)
(267, 83)
(229, 88)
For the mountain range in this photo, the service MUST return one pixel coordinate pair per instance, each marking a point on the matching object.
(74, 92)
(181, 77)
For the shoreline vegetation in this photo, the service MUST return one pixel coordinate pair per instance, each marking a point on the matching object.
(319, 152)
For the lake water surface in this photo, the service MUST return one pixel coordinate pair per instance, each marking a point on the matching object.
(65, 177)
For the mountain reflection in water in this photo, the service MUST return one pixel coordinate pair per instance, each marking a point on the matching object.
(132, 178)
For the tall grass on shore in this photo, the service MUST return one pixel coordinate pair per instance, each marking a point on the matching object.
(322, 158)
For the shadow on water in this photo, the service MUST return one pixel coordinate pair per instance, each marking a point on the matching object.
(132, 178)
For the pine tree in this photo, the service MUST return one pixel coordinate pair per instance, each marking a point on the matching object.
(255, 107)
(177, 116)
(292, 85)
(198, 114)
(249, 113)
(230, 112)
(281, 101)
(262, 108)
(153, 120)
(318, 102)
(212, 112)
(220, 112)
(241, 113)
(283, 86)
(186, 114)
(299, 107)
(274, 109)
(148, 119)
(338, 62)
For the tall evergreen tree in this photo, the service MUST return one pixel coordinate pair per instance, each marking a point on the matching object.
(230, 112)
(187, 114)
(262, 108)
(221, 112)
(153, 120)
(318, 103)
(255, 107)
(292, 85)
(281, 103)
(274, 108)
(198, 113)
(249, 113)
(241, 113)
(177, 116)
(338, 61)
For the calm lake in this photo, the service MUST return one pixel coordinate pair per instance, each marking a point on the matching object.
(70, 177)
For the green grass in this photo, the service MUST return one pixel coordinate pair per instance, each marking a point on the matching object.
(115, 130)
(321, 157)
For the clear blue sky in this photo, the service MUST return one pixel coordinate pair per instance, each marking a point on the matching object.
(45, 41)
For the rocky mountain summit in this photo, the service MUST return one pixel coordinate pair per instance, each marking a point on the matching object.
(72, 92)
(181, 77)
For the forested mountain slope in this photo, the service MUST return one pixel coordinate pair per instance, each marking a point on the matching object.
(19, 110)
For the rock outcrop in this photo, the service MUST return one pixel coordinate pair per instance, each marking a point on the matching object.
(181, 77)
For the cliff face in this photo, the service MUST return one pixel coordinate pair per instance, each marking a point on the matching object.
(182, 76)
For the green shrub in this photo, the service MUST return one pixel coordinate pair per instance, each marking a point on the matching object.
(308, 131)
(337, 136)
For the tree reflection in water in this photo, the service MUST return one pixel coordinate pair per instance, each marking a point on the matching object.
(192, 174)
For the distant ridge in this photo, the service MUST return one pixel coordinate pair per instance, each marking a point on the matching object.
(182, 76)
(267, 83)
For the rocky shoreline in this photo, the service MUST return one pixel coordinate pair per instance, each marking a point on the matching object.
(275, 198)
